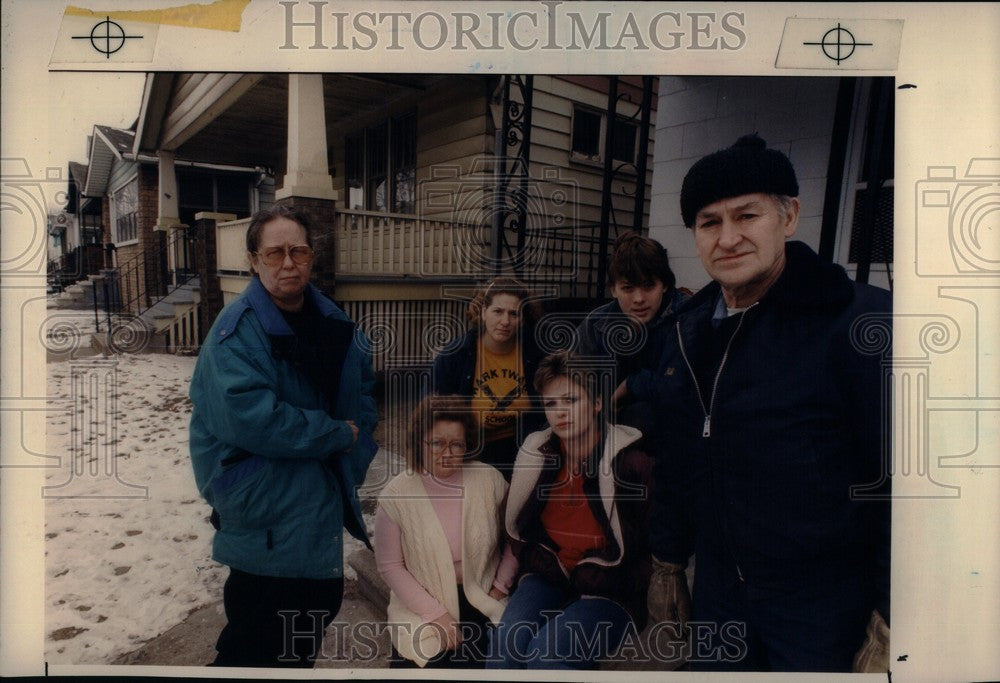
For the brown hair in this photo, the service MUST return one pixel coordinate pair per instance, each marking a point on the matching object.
(568, 365)
(531, 310)
(433, 409)
(265, 216)
(640, 260)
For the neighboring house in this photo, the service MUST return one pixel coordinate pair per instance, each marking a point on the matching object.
(115, 209)
(419, 179)
(838, 133)
(74, 234)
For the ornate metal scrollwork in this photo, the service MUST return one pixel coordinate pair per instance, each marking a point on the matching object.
(510, 201)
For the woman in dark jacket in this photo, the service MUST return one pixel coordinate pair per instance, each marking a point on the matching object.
(576, 518)
(491, 365)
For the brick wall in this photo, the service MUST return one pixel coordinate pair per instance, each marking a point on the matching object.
(106, 236)
(698, 115)
(323, 212)
(142, 277)
(206, 258)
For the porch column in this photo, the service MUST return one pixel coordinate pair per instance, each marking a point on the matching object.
(308, 173)
(167, 214)
(307, 183)
(167, 219)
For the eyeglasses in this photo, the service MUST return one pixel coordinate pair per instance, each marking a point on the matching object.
(275, 256)
(438, 446)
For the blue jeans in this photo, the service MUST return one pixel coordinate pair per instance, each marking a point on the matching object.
(539, 630)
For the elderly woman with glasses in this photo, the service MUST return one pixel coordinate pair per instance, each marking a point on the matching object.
(439, 543)
(280, 438)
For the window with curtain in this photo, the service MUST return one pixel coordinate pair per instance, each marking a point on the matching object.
(380, 166)
(125, 211)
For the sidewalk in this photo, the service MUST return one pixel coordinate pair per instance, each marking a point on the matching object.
(192, 642)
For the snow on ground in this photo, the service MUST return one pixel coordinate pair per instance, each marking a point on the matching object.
(122, 570)
(118, 570)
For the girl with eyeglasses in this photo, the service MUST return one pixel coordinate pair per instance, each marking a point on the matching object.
(439, 542)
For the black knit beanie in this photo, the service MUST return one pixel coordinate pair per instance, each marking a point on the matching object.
(746, 167)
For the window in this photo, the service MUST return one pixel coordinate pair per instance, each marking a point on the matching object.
(380, 166)
(881, 246)
(870, 97)
(587, 141)
(125, 211)
(203, 190)
(587, 134)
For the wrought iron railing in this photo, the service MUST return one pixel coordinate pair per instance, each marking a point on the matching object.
(137, 284)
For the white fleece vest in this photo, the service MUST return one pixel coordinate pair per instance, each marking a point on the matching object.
(428, 557)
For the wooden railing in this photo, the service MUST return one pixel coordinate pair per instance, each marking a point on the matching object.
(373, 243)
(182, 334)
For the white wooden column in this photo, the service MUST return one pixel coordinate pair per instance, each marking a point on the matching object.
(308, 172)
(167, 218)
(167, 213)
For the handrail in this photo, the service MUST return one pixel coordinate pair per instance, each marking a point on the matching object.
(152, 274)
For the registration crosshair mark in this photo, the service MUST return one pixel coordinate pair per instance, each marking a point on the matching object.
(114, 37)
(838, 42)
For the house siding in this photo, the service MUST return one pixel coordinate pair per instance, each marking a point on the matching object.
(551, 138)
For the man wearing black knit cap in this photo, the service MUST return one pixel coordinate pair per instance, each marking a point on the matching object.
(774, 417)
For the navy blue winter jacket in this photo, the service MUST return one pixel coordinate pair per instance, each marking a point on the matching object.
(607, 333)
(755, 476)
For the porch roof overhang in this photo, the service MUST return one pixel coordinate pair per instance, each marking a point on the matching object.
(242, 119)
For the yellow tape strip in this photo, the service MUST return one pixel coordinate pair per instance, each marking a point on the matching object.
(221, 15)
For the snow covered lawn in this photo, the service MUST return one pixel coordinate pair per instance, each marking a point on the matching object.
(120, 571)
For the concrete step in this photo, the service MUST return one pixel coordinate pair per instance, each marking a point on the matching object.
(179, 298)
(160, 310)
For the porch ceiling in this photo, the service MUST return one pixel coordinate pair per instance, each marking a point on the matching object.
(253, 131)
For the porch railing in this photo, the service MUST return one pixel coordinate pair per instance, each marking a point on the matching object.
(373, 245)
(154, 273)
(74, 265)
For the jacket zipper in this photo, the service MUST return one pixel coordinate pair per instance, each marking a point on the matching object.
(707, 427)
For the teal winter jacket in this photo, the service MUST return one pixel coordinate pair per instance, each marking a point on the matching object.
(270, 447)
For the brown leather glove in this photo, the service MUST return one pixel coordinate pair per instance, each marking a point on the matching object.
(873, 657)
(668, 598)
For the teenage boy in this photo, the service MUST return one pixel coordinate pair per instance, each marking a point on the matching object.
(630, 329)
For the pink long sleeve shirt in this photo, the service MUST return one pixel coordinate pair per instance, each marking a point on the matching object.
(446, 497)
